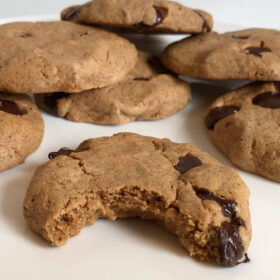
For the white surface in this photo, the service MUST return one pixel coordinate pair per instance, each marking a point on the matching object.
(131, 249)
(258, 13)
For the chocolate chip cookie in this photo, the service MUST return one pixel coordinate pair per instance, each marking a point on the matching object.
(148, 16)
(204, 203)
(251, 54)
(61, 56)
(21, 129)
(149, 92)
(245, 125)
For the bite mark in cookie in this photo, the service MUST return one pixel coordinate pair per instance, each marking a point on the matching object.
(128, 175)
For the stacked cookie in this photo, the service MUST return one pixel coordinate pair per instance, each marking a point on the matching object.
(80, 72)
(244, 123)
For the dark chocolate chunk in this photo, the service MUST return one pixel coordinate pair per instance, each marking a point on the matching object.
(72, 14)
(267, 100)
(205, 25)
(228, 206)
(65, 152)
(11, 107)
(257, 51)
(186, 163)
(50, 100)
(219, 113)
(230, 244)
(161, 13)
(241, 37)
(142, 79)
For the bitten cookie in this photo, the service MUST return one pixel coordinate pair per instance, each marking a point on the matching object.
(149, 92)
(21, 129)
(252, 54)
(61, 56)
(126, 175)
(245, 125)
(148, 16)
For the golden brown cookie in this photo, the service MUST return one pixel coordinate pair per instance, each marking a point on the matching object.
(250, 54)
(21, 129)
(148, 16)
(149, 92)
(61, 56)
(204, 203)
(245, 125)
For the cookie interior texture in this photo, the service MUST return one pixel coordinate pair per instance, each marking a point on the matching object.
(244, 124)
(147, 16)
(21, 129)
(249, 54)
(128, 175)
(64, 56)
(149, 92)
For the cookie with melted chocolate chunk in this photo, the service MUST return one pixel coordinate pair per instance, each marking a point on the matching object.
(244, 124)
(21, 129)
(128, 175)
(146, 16)
(44, 57)
(250, 54)
(149, 92)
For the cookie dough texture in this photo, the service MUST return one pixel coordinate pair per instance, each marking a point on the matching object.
(61, 56)
(129, 175)
(251, 54)
(249, 132)
(21, 129)
(150, 16)
(148, 93)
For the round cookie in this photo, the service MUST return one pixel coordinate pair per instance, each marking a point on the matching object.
(245, 125)
(21, 129)
(204, 203)
(251, 54)
(61, 56)
(149, 92)
(148, 16)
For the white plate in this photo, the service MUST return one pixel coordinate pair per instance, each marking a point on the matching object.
(131, 249)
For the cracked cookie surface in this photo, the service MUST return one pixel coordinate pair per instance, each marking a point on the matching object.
(147, 16)
(245, 125)
(250, 54)
(61, 56)
(149, 92)
(128, 175)
(21, 129)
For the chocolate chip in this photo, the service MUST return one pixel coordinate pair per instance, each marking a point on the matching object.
(11, 107)
(257, 51)
(267, 100)
(50, 100)
(186, 163)
(228, 206)
(161, 13)
(72, 14)
(219, 113)
(241, 37)
(142, 79)
(230, 244)
(65, 152)
(205, 26)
